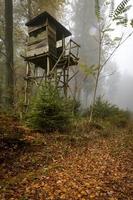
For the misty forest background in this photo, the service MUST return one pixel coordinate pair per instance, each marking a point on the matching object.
(81, 20)
(77, 148)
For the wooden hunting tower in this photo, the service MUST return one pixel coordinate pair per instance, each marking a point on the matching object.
(48, 55)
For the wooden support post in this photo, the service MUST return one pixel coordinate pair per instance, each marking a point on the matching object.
(28, 73)
(65, 81)
(67, 78)
(70, 47)
(55, 78)
(48, 59)
(48, 66)
(63, 45)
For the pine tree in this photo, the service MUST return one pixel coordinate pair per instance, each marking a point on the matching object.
(9, 69)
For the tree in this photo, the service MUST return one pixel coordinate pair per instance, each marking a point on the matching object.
(107, 45)
(12, 66)
(29, 9)
(93, 29)
(2, 50)
(23, 11)
(49, 111)
(9, 69)
(83, 28)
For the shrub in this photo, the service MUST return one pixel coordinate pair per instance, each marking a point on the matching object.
(103, 110)
(50, 111)
(75, 107)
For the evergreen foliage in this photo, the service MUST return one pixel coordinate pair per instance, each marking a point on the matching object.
(97, 9)
(49, 111)
(121, 8)
(103, 110)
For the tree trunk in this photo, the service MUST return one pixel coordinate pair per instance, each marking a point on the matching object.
(9, 70)
(29, 6)
(98, 73)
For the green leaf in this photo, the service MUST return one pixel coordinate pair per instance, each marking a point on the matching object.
(120, 8)
(97, 9)
(108, 30)
(89, 70)
(131, 23)
(117, 38)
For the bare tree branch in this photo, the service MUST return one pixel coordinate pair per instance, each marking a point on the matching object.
(113, 52)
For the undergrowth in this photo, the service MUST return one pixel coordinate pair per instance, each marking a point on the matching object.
(49, 111)
(106, 113)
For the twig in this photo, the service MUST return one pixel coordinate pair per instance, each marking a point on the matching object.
(119, 45)
(108, 74)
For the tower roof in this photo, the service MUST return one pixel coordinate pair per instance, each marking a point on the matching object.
(41, 18)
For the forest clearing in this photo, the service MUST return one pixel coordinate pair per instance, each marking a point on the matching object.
(85, 165)
(66, 103)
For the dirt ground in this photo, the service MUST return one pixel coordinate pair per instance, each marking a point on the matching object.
(66, 166)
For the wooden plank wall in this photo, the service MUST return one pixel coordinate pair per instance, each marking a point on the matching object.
(38, 44)
(42, 40)
(52, 38)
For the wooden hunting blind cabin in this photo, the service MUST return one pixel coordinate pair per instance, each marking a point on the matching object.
(48, 55)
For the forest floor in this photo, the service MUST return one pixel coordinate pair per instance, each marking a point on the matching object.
(65, 166)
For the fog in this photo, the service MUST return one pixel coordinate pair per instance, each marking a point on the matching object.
(118, 82)
(124, 80)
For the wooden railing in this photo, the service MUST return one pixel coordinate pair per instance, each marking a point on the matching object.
(74, 46)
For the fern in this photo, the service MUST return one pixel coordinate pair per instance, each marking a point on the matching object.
(131, 23)
(125, 20)
(112, 5)
(97, 9)
(120, 8)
